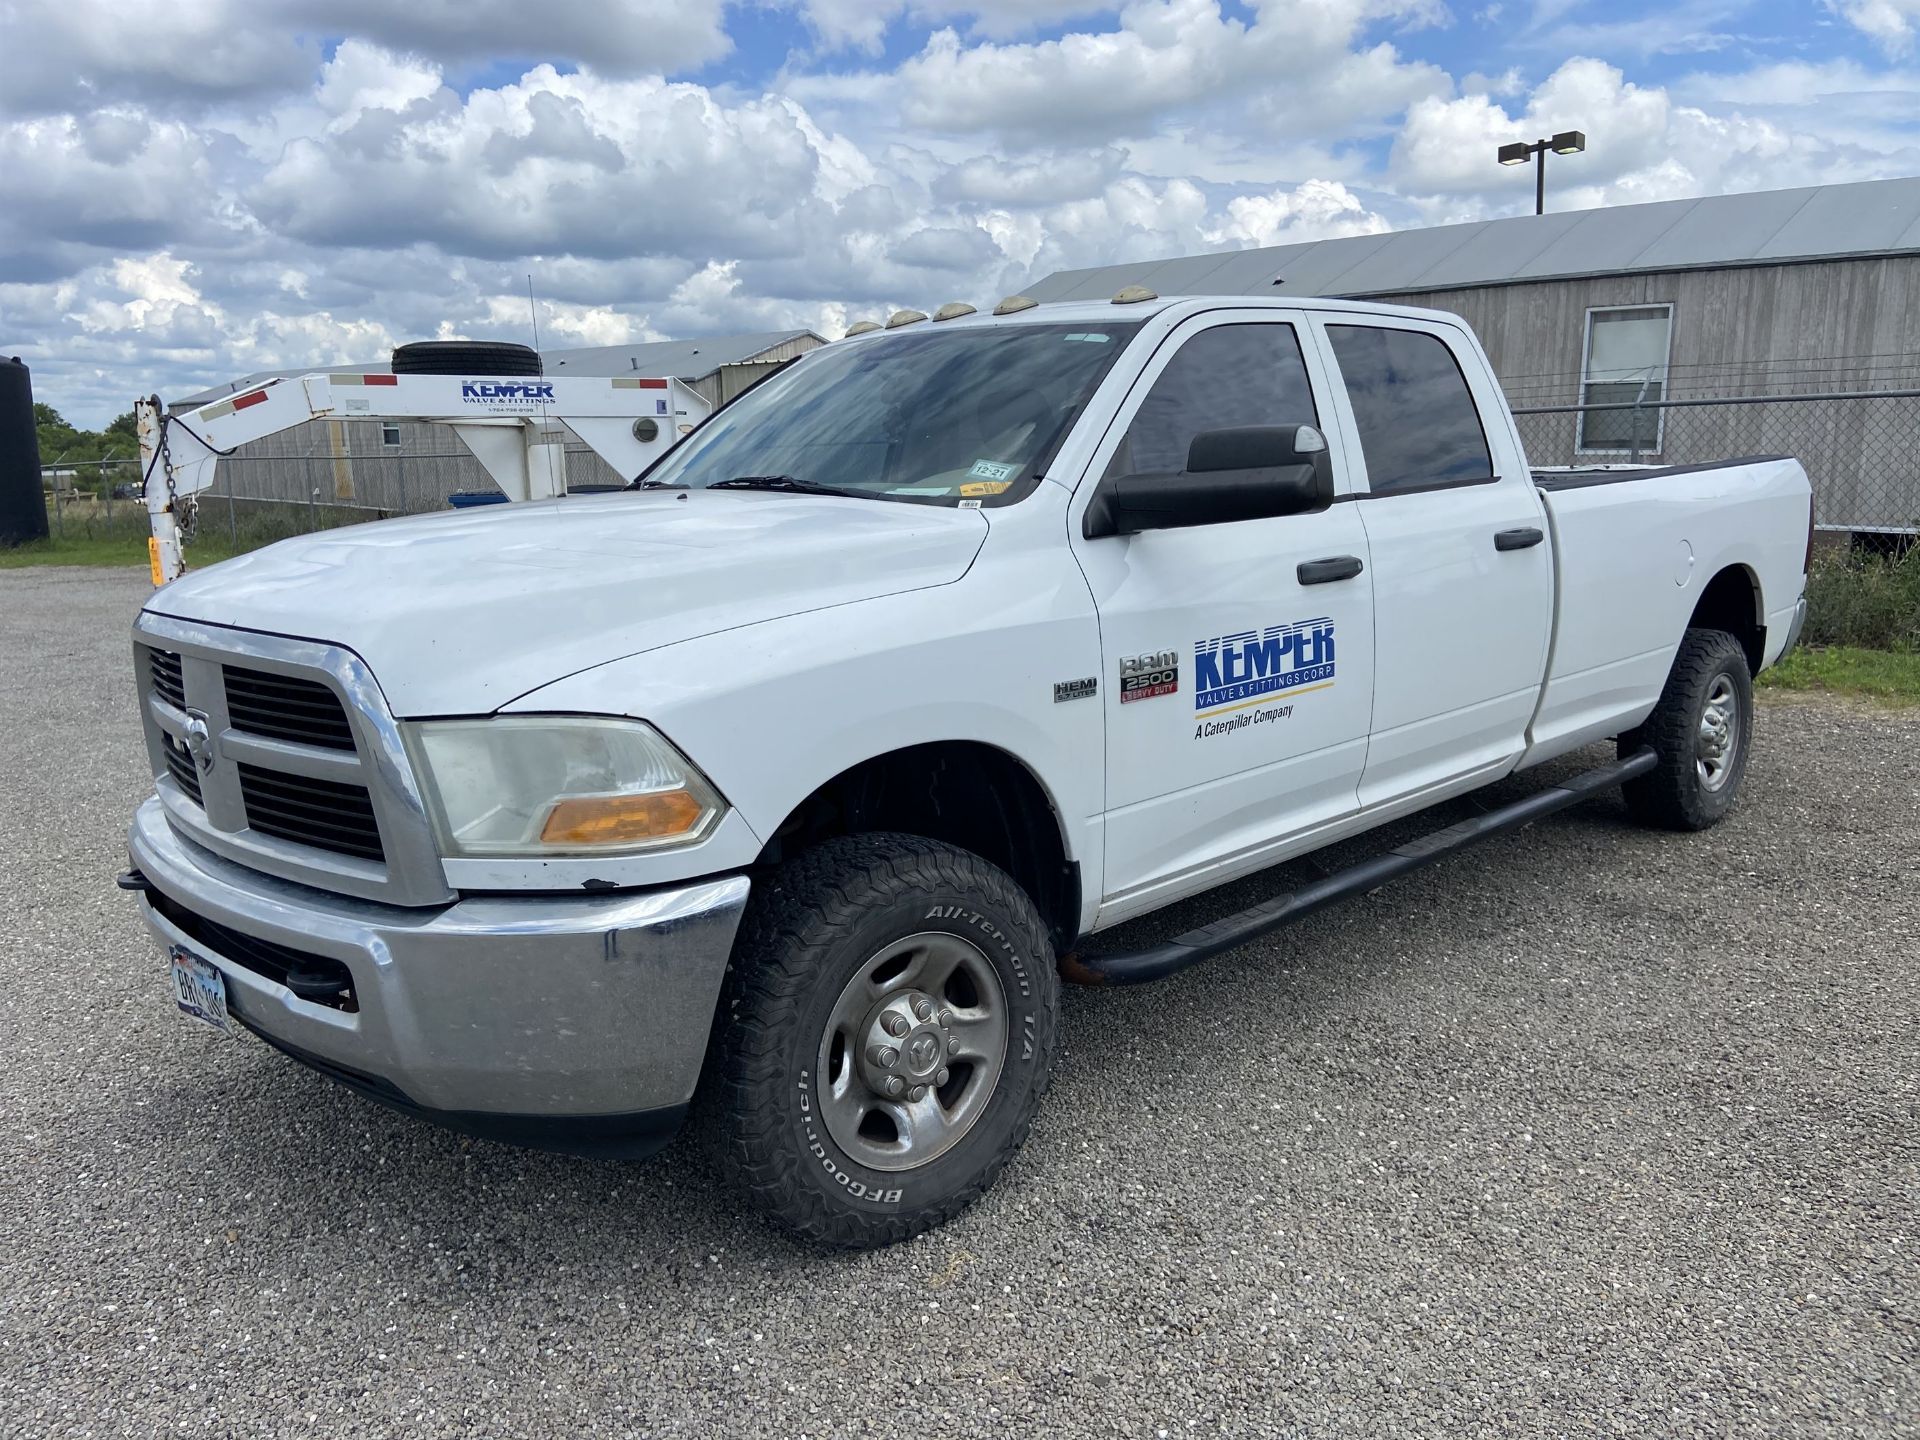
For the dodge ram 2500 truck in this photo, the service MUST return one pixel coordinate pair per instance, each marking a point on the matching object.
(808, 764)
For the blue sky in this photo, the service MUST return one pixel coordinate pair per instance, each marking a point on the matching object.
(307, 183)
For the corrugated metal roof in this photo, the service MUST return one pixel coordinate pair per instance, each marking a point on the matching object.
(1869, 217)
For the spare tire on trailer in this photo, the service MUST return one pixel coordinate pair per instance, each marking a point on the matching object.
(465, 357)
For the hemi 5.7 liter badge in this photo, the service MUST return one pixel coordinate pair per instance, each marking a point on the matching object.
(1065, 690)
(1142, 677)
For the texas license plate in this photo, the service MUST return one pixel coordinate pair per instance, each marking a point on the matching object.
(199, 989)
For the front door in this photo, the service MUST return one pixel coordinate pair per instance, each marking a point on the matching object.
(1237, 684)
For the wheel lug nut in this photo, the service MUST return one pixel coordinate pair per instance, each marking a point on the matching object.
(922, 1008)
(895, 1024)
(893, 1085)
(953, 1044)
(942, 1077)
(919, 1092)
(883, 1055)
(946, 1017)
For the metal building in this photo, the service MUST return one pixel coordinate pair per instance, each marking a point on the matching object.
(393, 468)
(1675, 332)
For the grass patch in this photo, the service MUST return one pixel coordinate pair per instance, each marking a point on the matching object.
(1883, 675)
(86, 534)
(1864, 601)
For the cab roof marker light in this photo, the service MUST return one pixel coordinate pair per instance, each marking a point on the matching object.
(1014, 304)
(953, 310)
(905, 317)
(861, 327)
(1134, 295)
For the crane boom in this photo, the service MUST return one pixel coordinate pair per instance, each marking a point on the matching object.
(516, 427)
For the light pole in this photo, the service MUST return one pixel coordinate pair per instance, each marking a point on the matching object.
(1567, 142)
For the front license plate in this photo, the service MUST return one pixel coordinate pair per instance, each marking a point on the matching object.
(199, 989)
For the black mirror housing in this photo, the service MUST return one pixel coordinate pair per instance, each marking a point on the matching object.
(1252, 472)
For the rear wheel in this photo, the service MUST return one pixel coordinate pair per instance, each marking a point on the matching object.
(1701, 731)
(888, 1036)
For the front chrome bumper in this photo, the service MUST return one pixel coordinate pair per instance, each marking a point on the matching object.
(563, 1022)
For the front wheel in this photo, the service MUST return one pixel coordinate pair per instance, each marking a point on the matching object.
(888, 1035)
(1702, 732)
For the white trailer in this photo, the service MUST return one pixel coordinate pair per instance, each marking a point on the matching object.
(516, 426)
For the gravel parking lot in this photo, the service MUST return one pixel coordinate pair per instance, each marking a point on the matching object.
(1589, 1131)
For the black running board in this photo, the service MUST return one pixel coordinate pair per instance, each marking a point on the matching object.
(1139, 966)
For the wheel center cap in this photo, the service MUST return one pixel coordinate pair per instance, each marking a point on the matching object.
(905, 1043)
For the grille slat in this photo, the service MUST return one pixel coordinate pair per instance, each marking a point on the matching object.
(180, 765)
(284, 707)
(163, 668)
(325, 814)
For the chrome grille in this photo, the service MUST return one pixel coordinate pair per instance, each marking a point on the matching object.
(281, 755)
(282, 707)
(321, 813)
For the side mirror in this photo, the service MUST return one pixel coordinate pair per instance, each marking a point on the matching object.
(1252, 472)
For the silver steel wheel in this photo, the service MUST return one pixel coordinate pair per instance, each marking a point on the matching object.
(912, 1051)
(1718, 741)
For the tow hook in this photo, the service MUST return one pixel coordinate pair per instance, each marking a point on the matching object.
(132, 879)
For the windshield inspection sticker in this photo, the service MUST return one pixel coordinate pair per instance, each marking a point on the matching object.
(1146, 677)
(986, 487)
(1235, 673)
(993, 470)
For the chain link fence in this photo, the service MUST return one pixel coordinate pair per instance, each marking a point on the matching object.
(1861, 448)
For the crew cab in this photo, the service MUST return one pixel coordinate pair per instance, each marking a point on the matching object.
(801, 773)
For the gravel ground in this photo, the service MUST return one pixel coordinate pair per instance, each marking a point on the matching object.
(1590, 1131)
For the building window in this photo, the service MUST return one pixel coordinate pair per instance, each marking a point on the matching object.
(1625, 364)
(390, 436)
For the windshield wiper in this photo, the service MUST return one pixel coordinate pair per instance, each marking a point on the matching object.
(791, 483)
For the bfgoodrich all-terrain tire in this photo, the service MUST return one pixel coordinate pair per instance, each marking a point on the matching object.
(1702, 731)
(888, 1033)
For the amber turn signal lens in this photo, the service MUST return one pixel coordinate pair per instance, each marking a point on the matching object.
(621, 819)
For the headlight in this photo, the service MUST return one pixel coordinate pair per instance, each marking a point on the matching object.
(559, 785)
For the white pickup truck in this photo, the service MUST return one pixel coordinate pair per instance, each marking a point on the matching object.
(812, 764)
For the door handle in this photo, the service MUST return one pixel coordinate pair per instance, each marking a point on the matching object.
(1525, 538)
(1334, 567)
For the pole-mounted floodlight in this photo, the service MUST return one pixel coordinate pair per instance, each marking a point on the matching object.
(1567, 142)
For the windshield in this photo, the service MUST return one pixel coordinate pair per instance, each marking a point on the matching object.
(928, 415)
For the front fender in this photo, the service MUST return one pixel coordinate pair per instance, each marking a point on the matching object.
(772, 711)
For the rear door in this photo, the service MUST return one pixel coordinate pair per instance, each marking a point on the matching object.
(1236, 689)
(1463, 580)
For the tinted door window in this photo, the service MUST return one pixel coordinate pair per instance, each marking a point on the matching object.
(1228, 376)
(1417, 421)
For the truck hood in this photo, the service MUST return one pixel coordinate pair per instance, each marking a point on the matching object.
(458, 613)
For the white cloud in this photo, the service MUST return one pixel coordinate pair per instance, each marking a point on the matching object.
(861, 24)
(1317, 210)
(1168, 54)
(1891, 23)
(64, 54)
